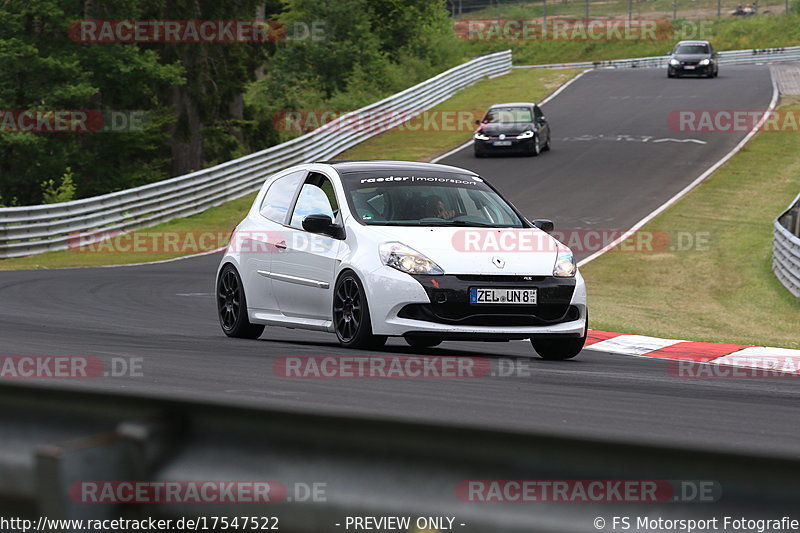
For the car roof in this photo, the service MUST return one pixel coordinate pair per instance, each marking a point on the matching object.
(692, 42)
(513, 104)
(392, 166)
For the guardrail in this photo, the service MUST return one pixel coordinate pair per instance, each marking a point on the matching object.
(731, 57)
(53, 440)
(41, 228)
(786, 248)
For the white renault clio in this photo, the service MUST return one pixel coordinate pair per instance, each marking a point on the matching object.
(372, 249)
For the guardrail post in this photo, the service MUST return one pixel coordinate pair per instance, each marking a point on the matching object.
(126, 454)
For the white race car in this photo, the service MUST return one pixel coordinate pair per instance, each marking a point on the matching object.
(372, 249)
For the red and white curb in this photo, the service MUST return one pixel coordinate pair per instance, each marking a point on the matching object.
(739, 355)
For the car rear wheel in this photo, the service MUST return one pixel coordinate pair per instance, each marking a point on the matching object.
(232, 306)
(560, 349)
(423, 342)
(546, 147)
(351, 314)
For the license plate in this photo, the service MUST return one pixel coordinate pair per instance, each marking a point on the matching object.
(501, 143)
(689, 67)
(502, 296)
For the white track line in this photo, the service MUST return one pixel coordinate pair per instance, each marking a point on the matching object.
(696, 182)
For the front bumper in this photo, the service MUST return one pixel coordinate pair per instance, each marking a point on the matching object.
(698, 70)
(401, 304)
(516, 146)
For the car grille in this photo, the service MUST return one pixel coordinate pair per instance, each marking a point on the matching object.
(460, 314)
(491, 277)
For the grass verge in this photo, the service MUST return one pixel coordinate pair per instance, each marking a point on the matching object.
(207, 231)
(726, 293)
(732, 33)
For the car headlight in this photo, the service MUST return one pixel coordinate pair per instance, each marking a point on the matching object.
(674, 62)
(525, 135)
(406, 259)
(565, 263)
(481, 137)
(705, 62)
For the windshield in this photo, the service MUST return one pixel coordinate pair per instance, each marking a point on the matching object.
(692, 49)
(426, 200)
(509, 114)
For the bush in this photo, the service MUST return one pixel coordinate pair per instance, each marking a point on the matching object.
(64, 192)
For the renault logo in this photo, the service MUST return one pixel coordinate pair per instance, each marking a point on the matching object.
(499, 263)
(502, 136)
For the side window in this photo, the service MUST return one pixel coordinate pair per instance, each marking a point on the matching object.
(275, 205)
(316, 198)
(537, 113)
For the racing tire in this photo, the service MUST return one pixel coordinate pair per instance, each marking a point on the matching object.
(423, 342)
(536, 150)
(351, 319)
(560, 349)
(232, 306)
(546, 147)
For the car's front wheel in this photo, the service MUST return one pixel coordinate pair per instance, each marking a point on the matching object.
(555, 349)
(232, 306)
(536, 149)
(351, 314)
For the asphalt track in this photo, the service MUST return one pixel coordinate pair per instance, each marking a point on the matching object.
(615, 156)
(165, 313)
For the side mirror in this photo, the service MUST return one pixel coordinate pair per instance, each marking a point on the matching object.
(317, 223)
(544, 224)
(477, 122)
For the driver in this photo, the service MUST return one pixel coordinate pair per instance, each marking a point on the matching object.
(434, 207)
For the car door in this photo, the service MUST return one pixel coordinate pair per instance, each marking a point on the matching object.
(303, 272)
(261, 239)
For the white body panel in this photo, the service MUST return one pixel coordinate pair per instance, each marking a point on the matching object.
(294, 287)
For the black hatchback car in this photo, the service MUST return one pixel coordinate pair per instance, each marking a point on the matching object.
(696, 58)
(519, 128)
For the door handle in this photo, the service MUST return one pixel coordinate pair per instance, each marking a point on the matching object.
(280, 245)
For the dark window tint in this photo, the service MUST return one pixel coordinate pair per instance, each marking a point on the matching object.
(508, 115)
(692, 49)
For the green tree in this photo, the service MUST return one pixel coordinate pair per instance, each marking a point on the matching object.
(43, 69)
